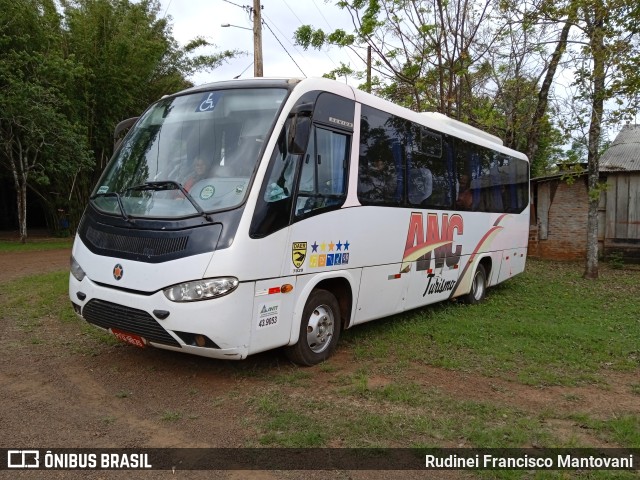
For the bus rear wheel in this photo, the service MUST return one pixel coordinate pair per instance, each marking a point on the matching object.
(478, 286)
(319, 330)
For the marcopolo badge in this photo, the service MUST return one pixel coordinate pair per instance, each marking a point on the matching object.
(118, 271)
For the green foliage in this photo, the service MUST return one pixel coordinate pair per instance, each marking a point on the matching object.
(423, 61)
(131, 60)
(43, 143)
(616, 260)
(69, 72)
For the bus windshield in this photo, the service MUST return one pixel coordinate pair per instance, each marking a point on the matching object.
(189, 154)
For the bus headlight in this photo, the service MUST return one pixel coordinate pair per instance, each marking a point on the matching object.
(76, 270)
(201, 289)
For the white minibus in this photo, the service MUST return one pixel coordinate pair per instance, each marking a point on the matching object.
(246, 215)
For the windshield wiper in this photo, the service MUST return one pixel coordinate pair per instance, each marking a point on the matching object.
(170, 185)
(125, 215)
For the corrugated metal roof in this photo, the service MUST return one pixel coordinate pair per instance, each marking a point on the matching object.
(624, 152)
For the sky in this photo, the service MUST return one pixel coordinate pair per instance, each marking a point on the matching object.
(192, 18)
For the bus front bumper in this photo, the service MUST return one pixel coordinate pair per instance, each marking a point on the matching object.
(215, 328)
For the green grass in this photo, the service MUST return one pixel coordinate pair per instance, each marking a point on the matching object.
(398, 414)
(545, 327)
(35, 245)
(35, 297)
(620, 430)
(31, 299)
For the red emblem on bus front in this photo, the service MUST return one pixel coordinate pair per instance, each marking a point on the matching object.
(118, 271)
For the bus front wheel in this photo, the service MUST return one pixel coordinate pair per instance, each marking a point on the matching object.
(319, 330)
(478, 286)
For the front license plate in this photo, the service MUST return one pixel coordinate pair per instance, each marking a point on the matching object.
(131, 338)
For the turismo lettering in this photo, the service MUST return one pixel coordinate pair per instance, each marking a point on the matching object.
(438, 285)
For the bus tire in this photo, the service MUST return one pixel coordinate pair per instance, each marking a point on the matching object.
(478, 290)
(319, 330)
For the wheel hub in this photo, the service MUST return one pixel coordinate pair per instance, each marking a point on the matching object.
(320, 329)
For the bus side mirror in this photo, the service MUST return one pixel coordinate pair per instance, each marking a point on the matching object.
(300, 128)
(299, 135)
(121, 127)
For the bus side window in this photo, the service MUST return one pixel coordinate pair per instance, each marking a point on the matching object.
(324, 169)
(273, 209)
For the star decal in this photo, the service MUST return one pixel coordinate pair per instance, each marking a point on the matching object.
(314, 247)
(346, 245)
(339, 245)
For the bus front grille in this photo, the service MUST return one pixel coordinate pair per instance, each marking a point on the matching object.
(130, 320)
(139, 245)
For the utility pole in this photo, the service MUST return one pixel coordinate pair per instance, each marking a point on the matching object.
(257, 39)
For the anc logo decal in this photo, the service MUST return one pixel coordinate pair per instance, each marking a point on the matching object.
(298, 253)
(118, 271)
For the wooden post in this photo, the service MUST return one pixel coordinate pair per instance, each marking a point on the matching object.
(257, 39)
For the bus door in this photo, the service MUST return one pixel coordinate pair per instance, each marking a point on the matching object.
(304, 190)
(319, 234)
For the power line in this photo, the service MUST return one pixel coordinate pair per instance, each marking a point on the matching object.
(244, 7)
(167, 9)
(294, 13)
(322, 15)
(282, 33)
(302, 23)
(346, 50)
(283, 47)
(242, 72)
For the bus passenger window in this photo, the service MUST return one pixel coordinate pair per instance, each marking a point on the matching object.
(420, 185)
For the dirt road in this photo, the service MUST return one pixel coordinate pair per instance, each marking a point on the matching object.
(20, 264)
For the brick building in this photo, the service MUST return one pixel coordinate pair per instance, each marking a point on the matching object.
(559, 213)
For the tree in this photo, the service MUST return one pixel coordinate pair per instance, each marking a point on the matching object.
(425, 52)
(480, 62)
(37, 138)
(130, 59)
(607, 68)
(70, 70)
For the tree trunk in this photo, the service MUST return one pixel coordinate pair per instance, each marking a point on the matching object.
(22, 212)
(19, 174)
(597, 107)
(543, 94)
